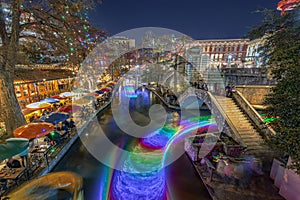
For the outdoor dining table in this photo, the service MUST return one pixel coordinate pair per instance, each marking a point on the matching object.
(12, 174)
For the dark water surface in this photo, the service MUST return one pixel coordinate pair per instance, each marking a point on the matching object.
(182, 181)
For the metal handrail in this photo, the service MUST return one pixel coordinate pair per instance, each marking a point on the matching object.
(269, 130)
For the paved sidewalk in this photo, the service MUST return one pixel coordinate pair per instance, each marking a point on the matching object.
(259, 187)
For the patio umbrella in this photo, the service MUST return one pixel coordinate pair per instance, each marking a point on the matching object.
(59, 97)
(105, 89)
(12, 147)
(34, 130)
(50, 100)
(111, 83)
(95, 94)
(38, 105)
(56, 117)
(99, 92)
(66, 94)
(71, 108)
(27, 111)
(89, 97)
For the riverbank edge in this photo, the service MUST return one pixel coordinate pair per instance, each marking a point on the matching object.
(202, 178)
(66, 148)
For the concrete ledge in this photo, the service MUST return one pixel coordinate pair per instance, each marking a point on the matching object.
(202, 178)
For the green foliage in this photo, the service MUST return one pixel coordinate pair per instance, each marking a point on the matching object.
(282, 53)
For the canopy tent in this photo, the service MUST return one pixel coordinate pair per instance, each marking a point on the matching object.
(12, 147)
(34, 130)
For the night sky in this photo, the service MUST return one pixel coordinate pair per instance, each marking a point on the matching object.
(199, 19)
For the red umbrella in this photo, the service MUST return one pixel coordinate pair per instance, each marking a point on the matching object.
(59, 97)
(93, 94)
(27, 111)
(105, 89)
(34, 130)
(71, 108)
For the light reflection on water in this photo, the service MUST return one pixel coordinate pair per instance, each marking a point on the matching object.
(144, 177)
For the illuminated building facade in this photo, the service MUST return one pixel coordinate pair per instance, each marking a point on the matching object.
(210, 54)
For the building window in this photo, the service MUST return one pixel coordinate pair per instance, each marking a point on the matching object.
(241, 47)
(18, 91)
(25, 90)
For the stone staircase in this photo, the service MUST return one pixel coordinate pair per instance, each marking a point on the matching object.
(246, 131)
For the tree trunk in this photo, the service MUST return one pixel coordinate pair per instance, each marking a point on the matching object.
(10, 111)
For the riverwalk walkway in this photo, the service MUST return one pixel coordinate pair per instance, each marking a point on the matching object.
(45, 162)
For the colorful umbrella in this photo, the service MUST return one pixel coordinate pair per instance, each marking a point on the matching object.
(12, 147)
(56, 117)
(59, 97)
(34, 130)
(50, 100)
(95, 94)
(27, 111)
(99, 92)
(89, 97)
(66, 94)
(105, 89)
(71, 108)
(38, 105)
(111, 83)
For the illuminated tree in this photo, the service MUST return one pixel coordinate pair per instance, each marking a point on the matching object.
(40, 29)
(282, 56)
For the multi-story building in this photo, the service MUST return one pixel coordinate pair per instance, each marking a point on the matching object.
(210, 54)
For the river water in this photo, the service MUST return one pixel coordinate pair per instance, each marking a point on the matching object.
(177, 181)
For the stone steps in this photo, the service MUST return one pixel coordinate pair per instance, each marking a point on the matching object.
(247, 132)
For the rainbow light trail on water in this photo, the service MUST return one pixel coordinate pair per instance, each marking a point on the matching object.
(144, 177)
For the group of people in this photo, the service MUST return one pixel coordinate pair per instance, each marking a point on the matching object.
(200, 85)
(230, 89)
(170, 97)
(97, 103)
